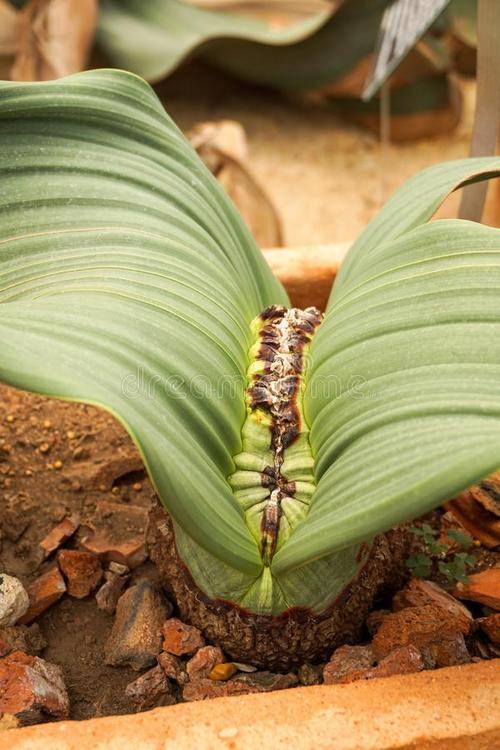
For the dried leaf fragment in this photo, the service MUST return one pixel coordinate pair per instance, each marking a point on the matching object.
(54, 38)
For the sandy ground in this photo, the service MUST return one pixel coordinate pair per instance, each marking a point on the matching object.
(326, 178)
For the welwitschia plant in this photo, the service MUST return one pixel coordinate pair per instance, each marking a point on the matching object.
(280, 443)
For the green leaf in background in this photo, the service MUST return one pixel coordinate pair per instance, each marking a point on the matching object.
(153, 38)
(127, 280)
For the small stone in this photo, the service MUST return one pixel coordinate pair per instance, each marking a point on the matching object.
(59, 535)
(118, 534)
(118, 569)
(446, 650)
(149, 690)
(14, 600)
(181, 639)
(482, 587)
(309, 675)
(109, 593)
(82, 570)
(223, 671)
(419, 593)
(348, 663)
(258, 682)
(43, 592)
(21, 638)
(491, 627)
(266, 682)
(206, 689)
(351, 663)
(374, 620)
(202, 663)
(416, 626)
(136, 635)
(244, 667)
(173, 667)
(31, 689)
(404, 660)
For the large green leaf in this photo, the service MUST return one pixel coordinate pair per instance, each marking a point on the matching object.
(152, 38)
(404, 392)
(128, 280)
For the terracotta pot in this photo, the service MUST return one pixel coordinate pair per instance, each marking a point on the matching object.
(451, 709)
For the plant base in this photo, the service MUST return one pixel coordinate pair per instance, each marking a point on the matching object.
(294, 637)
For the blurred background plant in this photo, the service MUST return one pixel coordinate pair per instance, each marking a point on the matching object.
(315, 52)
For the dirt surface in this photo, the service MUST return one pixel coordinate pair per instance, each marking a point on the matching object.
(36, 433)
(327, 179)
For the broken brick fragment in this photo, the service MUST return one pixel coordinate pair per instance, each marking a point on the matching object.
(31, 689)
(419, 593)
(483, 588)
(59, 535)
(43, 592)
(82, 571)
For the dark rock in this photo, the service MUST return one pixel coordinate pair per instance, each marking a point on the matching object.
(446, 650)
(149, 690)
(257, 682)
(136, 636)
(351, 663)
(265, 682)
(404, 660)
(348, 663)
(173, 667)
(491, 626)
(310, 674)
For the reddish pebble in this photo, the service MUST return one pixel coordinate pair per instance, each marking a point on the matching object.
(82, 570)
(181, 639)
(58, 535)
(482, 587)
(43, 592)
(491, 626)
